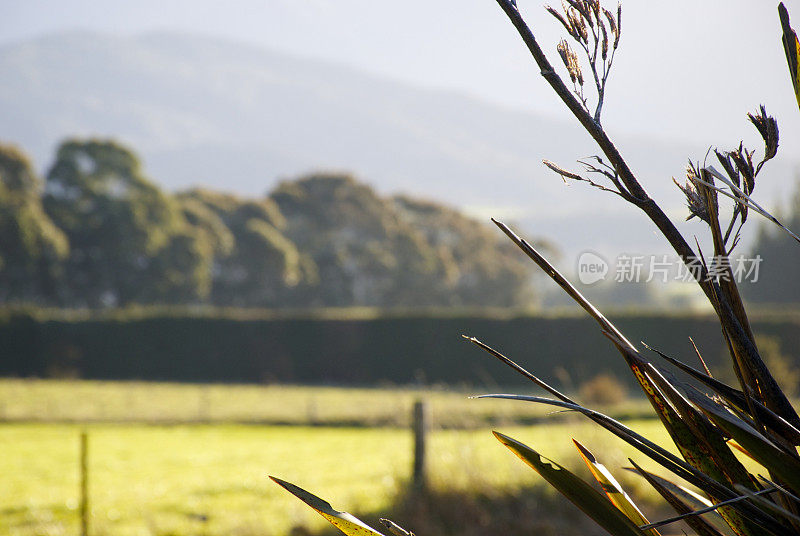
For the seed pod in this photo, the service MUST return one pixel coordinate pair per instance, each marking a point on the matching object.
(580, 7)
(576, 67)
(566, 56)
(768, 128)
(612, 23)
(560, 18)
(588, 8)
(695, 200)
(604, 42)
(727, 165)
(744, 165)
(578, 25)
(564, 52)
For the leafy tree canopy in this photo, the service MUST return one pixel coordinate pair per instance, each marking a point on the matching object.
(121, 228)
(780, 256)
(100, 233)
(255, 264)
(386, 252)
(32, 248)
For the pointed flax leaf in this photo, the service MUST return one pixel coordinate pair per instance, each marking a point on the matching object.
(573, 488)
(730, 394)
(685, 501)
(750, 521)
(613, 489)
(736, 398)
(350, 525)
(705, 432)
(791, 47)
(700, 445)
(767, 453)
(690, 442)
(657, 453)
(562, 281)
(695, 500)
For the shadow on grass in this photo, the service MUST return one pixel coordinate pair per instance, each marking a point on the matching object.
(444, 513)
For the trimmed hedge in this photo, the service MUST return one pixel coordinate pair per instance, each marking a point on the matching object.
(354, 348)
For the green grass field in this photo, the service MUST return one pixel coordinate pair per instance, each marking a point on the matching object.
(84, 401)
(212, 479)
(185, 460)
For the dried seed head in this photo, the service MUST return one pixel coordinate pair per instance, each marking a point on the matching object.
(577, 22)
(744, 165)
(571, 26)
(581, 6)
(728, 166)
(730, 170)
(584, 32)
(612, 24)
(588, 9)
(604, 41)
(574, 11)
(619, 25)
(570, 60)
(577, 68)
(768, 128)
(695, 199)
(560, 18)
(564, 52)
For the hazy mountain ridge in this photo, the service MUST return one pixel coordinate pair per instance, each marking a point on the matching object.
(227, 115)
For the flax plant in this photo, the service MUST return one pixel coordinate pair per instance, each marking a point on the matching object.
(709, 421)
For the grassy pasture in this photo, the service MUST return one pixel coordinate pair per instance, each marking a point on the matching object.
(211, 479)
(85, 401)
(181, 460)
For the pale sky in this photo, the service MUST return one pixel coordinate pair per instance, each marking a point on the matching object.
(686, 70)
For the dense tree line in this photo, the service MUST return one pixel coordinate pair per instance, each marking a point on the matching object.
(780, 256)
(97, 232)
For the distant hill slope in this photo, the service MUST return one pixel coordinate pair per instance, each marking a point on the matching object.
(224, 115)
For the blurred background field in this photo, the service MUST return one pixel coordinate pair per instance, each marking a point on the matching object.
(181, 459)
(192, 458)
(30, 400)
(212, 479)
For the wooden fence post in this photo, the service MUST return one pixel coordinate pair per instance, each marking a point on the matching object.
(420, 426)
(84, 505)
